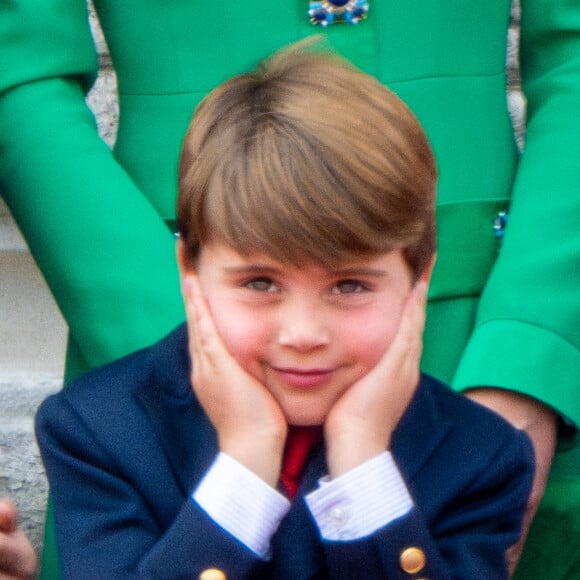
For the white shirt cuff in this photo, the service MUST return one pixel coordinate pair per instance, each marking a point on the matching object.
(361, 501)
(241, 503)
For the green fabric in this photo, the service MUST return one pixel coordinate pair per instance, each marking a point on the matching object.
(524, 347)
(49, 565)
(552, 544)
(107, 255)
(95, 220)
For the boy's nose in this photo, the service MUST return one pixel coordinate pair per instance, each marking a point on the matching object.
(303, 328)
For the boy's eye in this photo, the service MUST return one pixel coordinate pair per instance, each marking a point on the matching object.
(348, 287)
(261, 284)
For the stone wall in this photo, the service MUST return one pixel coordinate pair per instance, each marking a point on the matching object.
(33, 334)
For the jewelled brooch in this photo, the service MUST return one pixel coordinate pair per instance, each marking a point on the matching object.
(325, 12)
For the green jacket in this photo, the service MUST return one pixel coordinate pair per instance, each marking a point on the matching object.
(502, 313)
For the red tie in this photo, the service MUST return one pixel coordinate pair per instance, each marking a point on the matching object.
(299, 442)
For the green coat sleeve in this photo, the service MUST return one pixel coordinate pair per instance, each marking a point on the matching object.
(105, 252)
(527, 335)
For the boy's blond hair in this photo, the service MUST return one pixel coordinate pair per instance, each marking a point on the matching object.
(307, 159)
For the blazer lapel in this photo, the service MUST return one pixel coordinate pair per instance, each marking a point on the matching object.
(183, 429)
(421, 429)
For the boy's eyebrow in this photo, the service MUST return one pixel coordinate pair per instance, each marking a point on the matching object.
(360, 271)
(268, 269)
(251, 268)
(349, 271)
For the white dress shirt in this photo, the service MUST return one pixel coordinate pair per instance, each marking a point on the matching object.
(350, 507)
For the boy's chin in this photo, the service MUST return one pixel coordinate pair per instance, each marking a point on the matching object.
(309, 411)
(305, 419)
(301, 423)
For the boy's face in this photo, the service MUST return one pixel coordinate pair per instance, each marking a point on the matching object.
(307, 333)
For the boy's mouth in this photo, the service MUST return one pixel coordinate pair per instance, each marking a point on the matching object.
(303, 378)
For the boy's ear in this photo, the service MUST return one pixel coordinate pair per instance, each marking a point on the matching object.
(428, 271)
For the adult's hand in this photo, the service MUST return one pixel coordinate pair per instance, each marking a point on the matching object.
(539, 422)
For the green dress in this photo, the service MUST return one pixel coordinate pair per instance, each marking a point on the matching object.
(503, 311)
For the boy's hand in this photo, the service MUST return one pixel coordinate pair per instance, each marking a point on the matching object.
(361, 423)
(250, 424)
(17, 557)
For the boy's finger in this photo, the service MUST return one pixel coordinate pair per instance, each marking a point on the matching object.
(206, 330)
(198, 318)
(191, 315)
(187, 292)
(409, 335)
(206, 338)
(416, 302)
(413, 321)
(190, 290)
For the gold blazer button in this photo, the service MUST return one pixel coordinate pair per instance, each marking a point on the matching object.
(212, 574)
(412, 560)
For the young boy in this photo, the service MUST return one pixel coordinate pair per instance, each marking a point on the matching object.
(286, 431)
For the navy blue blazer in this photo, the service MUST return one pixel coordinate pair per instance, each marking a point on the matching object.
(126, 444)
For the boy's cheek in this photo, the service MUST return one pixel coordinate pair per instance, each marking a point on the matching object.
(232, 330)
(375, 337)
(242, 337)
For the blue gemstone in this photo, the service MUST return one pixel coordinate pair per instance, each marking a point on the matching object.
(499, 224)
(327, 12)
